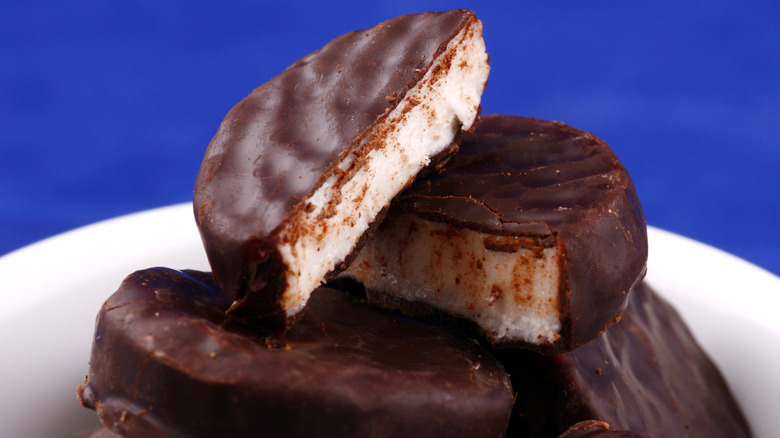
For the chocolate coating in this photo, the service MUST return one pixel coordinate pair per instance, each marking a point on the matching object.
(556, 186)
(166, 360)
(282, 142)
(97, 433)
(599, 429)
(646, 374)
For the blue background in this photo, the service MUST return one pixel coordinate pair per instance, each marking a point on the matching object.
(106, 107)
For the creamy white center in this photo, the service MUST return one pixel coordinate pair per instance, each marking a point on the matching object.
(420, 126)
(512, 293)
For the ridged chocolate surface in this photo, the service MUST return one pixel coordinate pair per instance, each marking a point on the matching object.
(646, 374)
(166, 360)
(280, 143)
(527, 177)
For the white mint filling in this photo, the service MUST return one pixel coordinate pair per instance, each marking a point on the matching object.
(513, 295)
(420, 126)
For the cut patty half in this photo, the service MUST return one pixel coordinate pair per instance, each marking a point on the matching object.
(301, 168)
(533, 232)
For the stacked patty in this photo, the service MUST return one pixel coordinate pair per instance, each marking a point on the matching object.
(533, 232)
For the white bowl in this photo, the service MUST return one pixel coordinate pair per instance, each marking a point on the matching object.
(51, 291)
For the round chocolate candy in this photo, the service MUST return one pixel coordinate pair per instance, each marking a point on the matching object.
(532, 232)
(645, 376)
(301, 168)
(168, 361)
